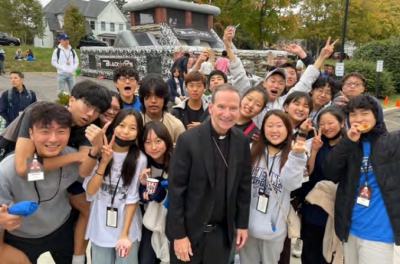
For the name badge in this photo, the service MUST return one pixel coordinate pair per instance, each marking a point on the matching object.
(35, 169)
(112, 217)
(262, 203)
(364, 195)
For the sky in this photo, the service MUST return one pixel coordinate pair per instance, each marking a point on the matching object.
(44, 2)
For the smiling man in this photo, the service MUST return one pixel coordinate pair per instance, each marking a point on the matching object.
(49, 130)
(193, 110)
(126, 80)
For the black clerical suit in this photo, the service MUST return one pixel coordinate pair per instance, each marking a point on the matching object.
(207, 200)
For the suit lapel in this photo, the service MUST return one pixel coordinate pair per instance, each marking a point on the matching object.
(206, 151)
(233, 152)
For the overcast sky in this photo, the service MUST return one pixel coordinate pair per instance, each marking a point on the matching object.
(44, 2)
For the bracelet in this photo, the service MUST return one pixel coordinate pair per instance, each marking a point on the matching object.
(301, 134)
(99, 173)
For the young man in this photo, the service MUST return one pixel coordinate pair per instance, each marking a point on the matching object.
(15, 100)
(193, 110)
(353, 85)
(209, 186)
(66, 61)
(368, 157)
(321, 94)
(126, 80)
(88, 100)
(154, 96)
(50, 227)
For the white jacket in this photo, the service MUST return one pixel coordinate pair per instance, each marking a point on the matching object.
(61, 65)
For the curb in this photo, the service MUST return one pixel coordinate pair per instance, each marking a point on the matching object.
(390, 110)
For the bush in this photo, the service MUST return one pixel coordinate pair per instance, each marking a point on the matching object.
(388, 51)
(368, 69)
(63, 98)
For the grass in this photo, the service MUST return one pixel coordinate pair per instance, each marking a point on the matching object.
(42, 62)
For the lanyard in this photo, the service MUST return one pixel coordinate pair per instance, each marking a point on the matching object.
(365, 169)
(65, 54)
(115, 190)
(220, 152)
(48, 200)
(269, 169)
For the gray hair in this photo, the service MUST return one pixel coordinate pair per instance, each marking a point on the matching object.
(223, 87)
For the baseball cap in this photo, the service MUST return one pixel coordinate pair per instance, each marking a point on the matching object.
(63, 36)
(279, 71)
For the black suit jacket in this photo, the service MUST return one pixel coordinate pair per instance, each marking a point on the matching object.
(192, 178)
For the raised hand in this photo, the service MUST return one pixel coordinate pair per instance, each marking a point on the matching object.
(354, 133)
(317, 142)
(95, 135)
(228, 36)
(306, 126)
(299, 147)
(328, 49)
(106, 151)
(293, 48)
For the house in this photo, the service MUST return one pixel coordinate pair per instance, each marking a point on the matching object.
(103, 19)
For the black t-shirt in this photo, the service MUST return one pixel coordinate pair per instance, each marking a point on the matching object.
(76, 139)
(245, 126)
(194, 115)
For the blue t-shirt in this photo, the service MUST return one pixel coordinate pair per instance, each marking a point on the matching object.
(135, 104)
(371, 223)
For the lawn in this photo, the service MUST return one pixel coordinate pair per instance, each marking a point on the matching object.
(391, 102)
(42, 62)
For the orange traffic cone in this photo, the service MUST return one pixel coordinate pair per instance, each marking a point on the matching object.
(385, 102)
(397, 103)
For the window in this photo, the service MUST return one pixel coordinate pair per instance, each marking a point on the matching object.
(175, 17)
(121, 27)
(128, 27)
(199, 21)
(103, 26)
(93, 25)
(145, 17)
(112, 27)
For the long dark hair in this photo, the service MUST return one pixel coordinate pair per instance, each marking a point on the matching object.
(162, 132)
(258, 148)
(129, 166)
(338, 113)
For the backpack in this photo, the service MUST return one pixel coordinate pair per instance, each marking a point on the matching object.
(59, 50)
(10, 97)
(9, 136)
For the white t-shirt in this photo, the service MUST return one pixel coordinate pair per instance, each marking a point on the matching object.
(97, 231)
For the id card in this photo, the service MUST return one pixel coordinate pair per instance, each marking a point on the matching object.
(262, 203)
(35, 169)
(364, 195)
(112, 217)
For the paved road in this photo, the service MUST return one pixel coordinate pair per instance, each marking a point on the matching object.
(45, 86)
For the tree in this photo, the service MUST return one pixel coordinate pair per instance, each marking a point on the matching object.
(74, 24)
(120, 4)
(22, 18)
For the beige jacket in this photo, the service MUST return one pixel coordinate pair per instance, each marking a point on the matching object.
(324, 195)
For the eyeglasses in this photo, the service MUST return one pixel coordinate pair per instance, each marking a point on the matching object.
(356, 84)
(90, 106)
(124, 79)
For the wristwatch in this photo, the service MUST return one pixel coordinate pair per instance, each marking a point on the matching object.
(96, 157)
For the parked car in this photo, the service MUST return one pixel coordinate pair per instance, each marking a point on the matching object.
(336, 56)
(90, 40)
(10, 41)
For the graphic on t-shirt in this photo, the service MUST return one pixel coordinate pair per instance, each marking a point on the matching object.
(34, 166)
(108, 190)
(258, 175)
(365, 164)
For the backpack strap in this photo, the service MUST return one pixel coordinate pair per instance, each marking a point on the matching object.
(249, 128)
(10, 98)
(58, 54)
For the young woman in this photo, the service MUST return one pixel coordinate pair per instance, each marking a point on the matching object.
(253, 101)
(331, 124)
(175, 84)
(277, 170)
(157, 143)
(298, 105)
(110, 114)
(113, 189)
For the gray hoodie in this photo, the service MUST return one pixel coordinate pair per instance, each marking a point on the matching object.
(289, 179)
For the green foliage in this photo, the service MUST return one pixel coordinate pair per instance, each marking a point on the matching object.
(63, 99)
(22, 18)
(368, 69)
(74, 24)
(388, 51)
(120, 4)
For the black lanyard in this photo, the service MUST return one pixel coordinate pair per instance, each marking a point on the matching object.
(269, 169)
(220, 152)
(115, 190)
(366, 168)
(48, 200)
(316, 114)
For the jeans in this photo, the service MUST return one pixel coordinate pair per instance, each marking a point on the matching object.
(102, 255)
(65, 78)
(2, 67)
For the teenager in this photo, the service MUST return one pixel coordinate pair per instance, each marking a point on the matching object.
(126, 80)
(112, 189)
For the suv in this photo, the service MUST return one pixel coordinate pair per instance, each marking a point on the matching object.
(10, 41)
(90, 40)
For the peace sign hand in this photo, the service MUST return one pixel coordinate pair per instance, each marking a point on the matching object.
(317, 142)
(106, 151)
(328, 49)
(293, 48)
(306, 126)
(299, 147)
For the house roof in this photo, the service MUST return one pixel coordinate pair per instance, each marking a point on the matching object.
(52, 20)
(90, 8)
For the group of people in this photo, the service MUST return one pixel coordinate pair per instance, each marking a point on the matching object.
(219, 175)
